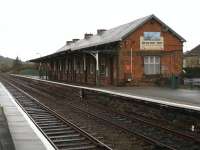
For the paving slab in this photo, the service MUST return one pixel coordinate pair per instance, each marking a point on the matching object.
(24, 133)
(6, 142)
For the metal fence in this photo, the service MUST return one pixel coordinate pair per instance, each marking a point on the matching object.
(193, 81)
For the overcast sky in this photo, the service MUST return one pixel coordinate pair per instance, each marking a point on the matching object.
(34, 28)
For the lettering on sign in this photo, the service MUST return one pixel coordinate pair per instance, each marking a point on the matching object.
(151, 45)
(151, 41)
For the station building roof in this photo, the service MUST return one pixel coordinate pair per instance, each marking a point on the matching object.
(112, 35)
(194, 51)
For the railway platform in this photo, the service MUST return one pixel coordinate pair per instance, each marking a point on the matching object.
(182, 98)
(5, 137)
(24, 133)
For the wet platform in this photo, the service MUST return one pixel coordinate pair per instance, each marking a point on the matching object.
(183, 98)
(24, 133)
(6, 142)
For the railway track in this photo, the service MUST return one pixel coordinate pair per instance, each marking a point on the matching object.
(61, 133)
(162, 139)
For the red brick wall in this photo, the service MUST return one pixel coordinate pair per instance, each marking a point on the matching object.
(172, 59)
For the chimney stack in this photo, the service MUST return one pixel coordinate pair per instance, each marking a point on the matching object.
(75, 40)
(69, 42)
(88, 35)
(100, 31)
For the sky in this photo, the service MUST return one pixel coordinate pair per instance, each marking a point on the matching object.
(35, 28)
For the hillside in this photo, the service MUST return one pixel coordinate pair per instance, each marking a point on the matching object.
(5, 60)
(16, 66)
(5, 63)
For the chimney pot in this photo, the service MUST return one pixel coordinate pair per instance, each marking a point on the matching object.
(69, 42)
(75, 40)
(88, 35)
(100, 31)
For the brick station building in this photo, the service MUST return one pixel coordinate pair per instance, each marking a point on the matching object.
(141, 51)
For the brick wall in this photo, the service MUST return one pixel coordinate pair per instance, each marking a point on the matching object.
(170, 56)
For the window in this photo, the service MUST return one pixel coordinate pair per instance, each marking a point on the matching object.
(152, 36)
(102, 66)
(66, 65)
(70, 66)
(54, 66)
(81, 66)
(60, 65)
(92, 67)
(151, 65)
(78, 66)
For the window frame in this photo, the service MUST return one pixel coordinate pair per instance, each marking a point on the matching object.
(92, 67)
(152, 65)
(151, 38)
(102, 67)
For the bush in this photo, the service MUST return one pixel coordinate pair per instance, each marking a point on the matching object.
(192, 72)
(29, 71)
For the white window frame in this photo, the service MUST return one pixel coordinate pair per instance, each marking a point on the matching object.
(152, 65)
(92, 68)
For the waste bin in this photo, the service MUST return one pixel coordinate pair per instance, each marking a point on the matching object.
(174, 81)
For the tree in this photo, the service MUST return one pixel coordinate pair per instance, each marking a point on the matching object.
(17, 63)
(5, 67)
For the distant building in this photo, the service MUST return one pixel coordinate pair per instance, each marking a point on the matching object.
(192, 58)
(140, 51)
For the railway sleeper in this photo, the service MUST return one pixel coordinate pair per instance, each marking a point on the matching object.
(52, 127)
(75, 139)
(49, 124)
(64, 136)
(38, 116)
(35, 109)
(90, 147)
(47, 121)
(72, 144)
(42, 113)
(60, 132)
(58, 129)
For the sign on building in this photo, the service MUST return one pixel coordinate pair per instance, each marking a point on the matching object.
(151, 41)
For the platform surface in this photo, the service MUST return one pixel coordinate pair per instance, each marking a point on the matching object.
(6, 142)
(24, 133)
(183, 98)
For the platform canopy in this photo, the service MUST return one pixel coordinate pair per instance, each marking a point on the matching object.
(110, 36)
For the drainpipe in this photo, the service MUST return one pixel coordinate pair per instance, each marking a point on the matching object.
(131, 62)
(84, 67)
(46, 70)
(96, 56)
(84, 63)
(97, 68)
(40, 75)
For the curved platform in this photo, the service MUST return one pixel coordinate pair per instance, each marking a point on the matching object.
(24, 133)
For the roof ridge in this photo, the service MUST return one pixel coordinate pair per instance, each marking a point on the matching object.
(115, 34)
(196, 47)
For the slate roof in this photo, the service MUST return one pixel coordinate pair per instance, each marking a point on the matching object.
(115, 34)
(194, 51)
